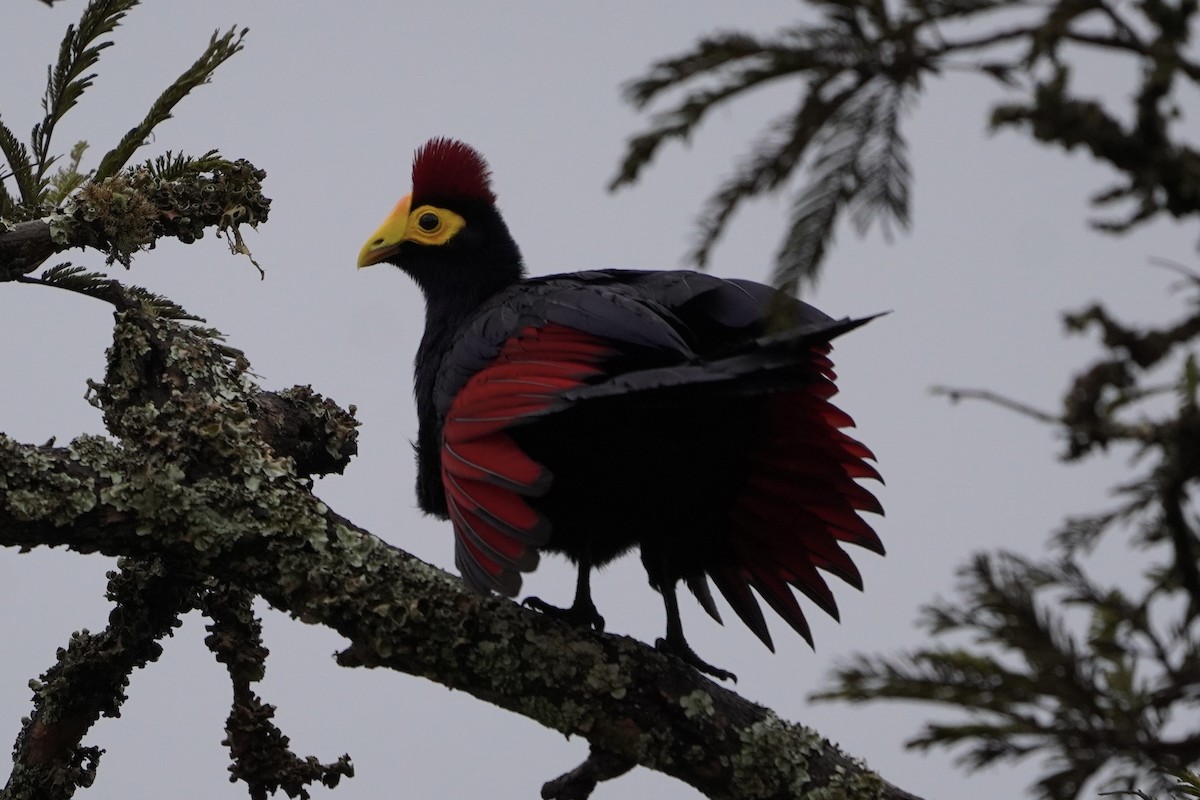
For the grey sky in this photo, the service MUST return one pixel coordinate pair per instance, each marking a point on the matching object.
(331, 99)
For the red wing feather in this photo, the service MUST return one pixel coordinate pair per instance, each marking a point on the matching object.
(780, 597)
(491, 459)
(487, 477)
(799, 502)
(732, 584)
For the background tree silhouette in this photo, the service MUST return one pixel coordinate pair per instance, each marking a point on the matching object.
(1099, 678)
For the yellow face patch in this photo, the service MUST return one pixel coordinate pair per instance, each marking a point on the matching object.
(432, 225)
(427, 225)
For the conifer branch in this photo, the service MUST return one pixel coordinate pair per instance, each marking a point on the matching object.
(221, 47)
(66, 83)
(68, 178)
(1031, 683)
(904, 46)
(20, 168)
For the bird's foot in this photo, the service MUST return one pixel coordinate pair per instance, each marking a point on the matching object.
(583, 615)
(684, 652)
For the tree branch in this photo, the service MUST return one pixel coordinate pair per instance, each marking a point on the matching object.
(89, 681)
(130, 211)
(194, 482)
(261, 756)
(955, 394)
(579, 783)
(403, 614)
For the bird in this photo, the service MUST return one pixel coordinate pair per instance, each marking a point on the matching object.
(590, 414)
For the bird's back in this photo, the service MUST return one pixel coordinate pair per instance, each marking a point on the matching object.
(667, 418)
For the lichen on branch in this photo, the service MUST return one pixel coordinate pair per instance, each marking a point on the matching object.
(132, 210)
(192, 480)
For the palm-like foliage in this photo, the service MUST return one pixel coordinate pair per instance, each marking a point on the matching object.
(1101, 681)
(68, 78)
(1037, 672)
(1040, 659)
(863, 63)
(846, 127)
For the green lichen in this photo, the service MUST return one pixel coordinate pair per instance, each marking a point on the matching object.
(130, 211)
(608, 678)
(63, 226)
(33, 487)
(356, 548)
(340, 428)
(769, 741)
(697, 704)
(795, 751)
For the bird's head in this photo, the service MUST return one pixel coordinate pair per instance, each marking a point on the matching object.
(447, 232)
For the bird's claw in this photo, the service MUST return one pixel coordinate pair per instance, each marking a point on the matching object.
(687, 655)
(585, 616)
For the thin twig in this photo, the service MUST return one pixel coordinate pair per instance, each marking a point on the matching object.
(955, 394)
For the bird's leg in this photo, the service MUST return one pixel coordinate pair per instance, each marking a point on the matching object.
(674, 643)
(582, 611)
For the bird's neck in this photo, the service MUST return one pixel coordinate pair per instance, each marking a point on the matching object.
(452, 299)
(446, 314)
(448, 309)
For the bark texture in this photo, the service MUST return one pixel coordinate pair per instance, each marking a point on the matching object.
(206, 482)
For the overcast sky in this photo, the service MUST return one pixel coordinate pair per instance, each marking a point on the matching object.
(331, 99)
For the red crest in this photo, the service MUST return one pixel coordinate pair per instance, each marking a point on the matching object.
(451, 169)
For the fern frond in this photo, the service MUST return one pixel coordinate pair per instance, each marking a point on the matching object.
(66, 82)
(835, 170)
(707, 56)
(101, 287)
(757, 66)
(161, 306)
(207, 332)
(220, 49)
(165, 308)
(81, 281)
(884, 170)
(75, 279)
(174, 167)
(813, 218)
(952, 9)
(772, 160)
(21, 168)
(67, 179)
(1189, 782)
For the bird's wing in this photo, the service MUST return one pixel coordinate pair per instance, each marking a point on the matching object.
(487, 477)
(799, 502)
(631, 337)
(516, 362)
(800, 499)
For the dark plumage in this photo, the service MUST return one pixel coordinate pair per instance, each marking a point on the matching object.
(595, 412)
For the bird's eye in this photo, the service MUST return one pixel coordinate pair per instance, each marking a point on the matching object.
(428, 221)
